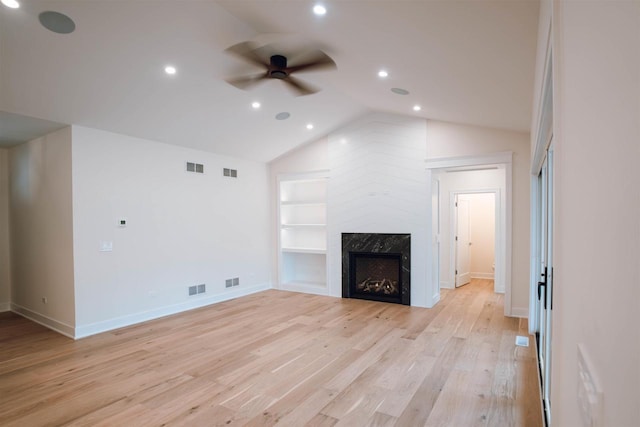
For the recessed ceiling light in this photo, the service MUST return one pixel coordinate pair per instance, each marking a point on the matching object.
(170, 69)
(309, 126)
(383, 73)
(13, 4)
(319, 10)
(57, 22)
(343, 141)
(399, 91)
(417, 108)
(255, 105)
(283, 116)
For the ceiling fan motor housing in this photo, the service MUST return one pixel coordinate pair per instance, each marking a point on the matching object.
(279, 63)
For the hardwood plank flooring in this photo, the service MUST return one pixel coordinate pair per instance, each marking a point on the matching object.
(280, 358)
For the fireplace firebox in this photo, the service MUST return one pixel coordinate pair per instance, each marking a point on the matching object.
(376, 267)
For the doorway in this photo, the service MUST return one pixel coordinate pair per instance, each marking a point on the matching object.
(472, 174)
(474, 236)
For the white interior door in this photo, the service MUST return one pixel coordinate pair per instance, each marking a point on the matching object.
(463, 256)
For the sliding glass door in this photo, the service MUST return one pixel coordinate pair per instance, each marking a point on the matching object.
(545, 275)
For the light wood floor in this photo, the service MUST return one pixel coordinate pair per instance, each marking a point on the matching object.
(280, 358)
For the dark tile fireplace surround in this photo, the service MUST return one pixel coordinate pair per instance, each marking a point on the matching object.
(377, 267)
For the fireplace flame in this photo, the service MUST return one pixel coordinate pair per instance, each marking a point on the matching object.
(375, 286)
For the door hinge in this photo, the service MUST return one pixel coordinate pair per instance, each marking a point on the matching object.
(456, 271)
(456, 238)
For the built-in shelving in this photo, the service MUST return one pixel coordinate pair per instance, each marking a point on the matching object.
(302, 219)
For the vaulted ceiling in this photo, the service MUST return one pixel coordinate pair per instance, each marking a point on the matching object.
(461, 61)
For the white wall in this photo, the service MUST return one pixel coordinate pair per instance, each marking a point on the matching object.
(597, 206)
(42, 230)
(183, 229)
(378, 184)
(482, 225)
(446, 140)
(5, 265)
(450, 183)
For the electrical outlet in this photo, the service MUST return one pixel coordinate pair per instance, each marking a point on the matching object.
(235, 281)
(202, 288)
(193, 290)
(228, 283)
(44, 300)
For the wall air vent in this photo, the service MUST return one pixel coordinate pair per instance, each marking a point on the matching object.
(232, 282)
(195, 167)
(197, 289)
(231, 173)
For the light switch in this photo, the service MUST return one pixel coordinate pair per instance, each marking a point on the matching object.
(122, 222)
(106, 246)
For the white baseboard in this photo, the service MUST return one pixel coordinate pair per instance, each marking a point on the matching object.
(434, 300)
(521, 312)
(83, 331)
(5, 306)
(481, 275)
(445, 285)
(60, 327)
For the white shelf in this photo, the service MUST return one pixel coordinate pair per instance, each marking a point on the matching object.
(302, 217)
(304, 283)
(305, 250)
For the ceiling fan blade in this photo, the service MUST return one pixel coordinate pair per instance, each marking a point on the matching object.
(246, 82)
(317, 61)
(300, 87)
(247, 51)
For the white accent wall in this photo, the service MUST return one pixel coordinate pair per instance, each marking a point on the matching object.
(42, 231)
(5, 261)
(378, 184)
(183, 229)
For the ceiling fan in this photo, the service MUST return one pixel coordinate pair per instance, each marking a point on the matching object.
(277, 66)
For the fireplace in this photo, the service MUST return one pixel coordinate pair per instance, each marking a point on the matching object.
(376, 267)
